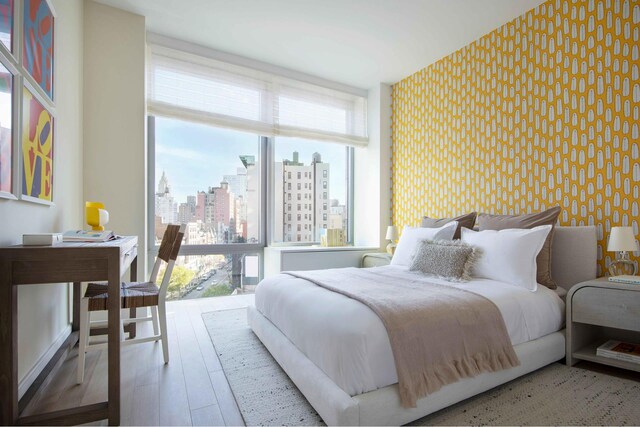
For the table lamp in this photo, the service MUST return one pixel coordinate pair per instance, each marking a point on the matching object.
(392, 236)
(622, 240)
(97, 216)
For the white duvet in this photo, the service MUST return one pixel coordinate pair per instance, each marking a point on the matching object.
(348, 341)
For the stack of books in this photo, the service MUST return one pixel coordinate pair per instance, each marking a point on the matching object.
(625, 278)
(620, 350)
(87, 236)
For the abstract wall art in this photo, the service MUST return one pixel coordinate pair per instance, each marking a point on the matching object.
(37, 149)
(6, 120)
(6, 23)
(38, 43)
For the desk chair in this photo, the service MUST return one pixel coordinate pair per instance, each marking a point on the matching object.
(134, 295)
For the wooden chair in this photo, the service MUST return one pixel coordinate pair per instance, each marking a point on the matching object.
(134, 295)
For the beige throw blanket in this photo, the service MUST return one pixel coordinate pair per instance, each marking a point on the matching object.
(438, 334)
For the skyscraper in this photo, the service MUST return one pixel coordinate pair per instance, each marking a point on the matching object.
(301, 199)
(166, 207)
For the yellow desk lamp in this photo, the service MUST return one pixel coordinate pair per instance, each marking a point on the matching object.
(97, 216)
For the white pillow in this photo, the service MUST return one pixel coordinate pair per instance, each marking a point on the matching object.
(508, 255)
(411, 236)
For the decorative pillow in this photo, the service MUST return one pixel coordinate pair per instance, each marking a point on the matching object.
(447, 259)
(411, 236)
(508, 255)
(466, 220)
(548, 217)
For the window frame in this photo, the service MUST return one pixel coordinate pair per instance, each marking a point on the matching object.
(211, 249)
(349, 203)
(266, 154)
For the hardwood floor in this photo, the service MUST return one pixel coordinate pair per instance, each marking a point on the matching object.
(191, 390)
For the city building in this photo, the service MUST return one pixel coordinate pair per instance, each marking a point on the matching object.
(301, 199)
(251, 202)
(166, 207)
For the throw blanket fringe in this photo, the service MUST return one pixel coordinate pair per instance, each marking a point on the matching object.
(438, 334)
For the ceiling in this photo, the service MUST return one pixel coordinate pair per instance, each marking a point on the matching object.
(356, 42)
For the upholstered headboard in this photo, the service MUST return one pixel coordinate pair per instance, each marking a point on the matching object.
(574, 255)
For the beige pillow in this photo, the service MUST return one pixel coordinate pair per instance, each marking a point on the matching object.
(450, 260)
(548, 217)
(466, 220)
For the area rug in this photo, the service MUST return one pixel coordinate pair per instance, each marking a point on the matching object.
(555, 395)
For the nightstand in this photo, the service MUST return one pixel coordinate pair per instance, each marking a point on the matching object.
(597, 311)
(375, 259)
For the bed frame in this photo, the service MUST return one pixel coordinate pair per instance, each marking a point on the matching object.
(574, 257)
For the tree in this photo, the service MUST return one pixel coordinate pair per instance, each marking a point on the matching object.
(217, 291)
(180, 277)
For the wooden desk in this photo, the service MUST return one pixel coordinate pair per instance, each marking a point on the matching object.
(65, 262)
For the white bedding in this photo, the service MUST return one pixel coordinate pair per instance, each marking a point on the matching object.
(348, 341)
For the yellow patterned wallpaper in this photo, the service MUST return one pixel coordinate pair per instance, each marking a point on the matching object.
(540, 112)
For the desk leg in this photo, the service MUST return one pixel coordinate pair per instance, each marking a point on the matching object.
(8, 346)
(133, 276)
(113, 348)
(75, 322)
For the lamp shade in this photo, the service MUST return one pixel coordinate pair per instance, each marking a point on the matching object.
(622, 239)
(392, 233)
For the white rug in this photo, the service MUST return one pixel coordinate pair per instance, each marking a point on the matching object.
(555, 395)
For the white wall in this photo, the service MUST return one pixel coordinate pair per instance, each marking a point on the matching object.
(114, 127)
(373, 173)
(43, 309)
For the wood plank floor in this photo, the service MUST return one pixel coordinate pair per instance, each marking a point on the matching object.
(191, 390)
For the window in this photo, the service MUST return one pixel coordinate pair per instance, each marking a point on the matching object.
(305, 131)
(220, 209)
(322, 164)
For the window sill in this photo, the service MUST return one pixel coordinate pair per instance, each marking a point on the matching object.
(318, 248)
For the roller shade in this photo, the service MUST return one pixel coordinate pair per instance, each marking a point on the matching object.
(205, 90)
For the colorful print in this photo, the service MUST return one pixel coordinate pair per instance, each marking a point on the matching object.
(6, 23)
(37, 149)
(6, 117)
(543, 111)
(38, 43)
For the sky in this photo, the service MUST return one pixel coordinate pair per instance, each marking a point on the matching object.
(195, 157)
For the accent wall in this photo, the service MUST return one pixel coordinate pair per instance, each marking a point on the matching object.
(543, 111)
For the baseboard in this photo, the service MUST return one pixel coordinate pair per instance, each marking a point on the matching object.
(31, 376)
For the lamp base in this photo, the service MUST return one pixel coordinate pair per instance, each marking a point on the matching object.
(97, 228)
(391, 248)
(623, 266)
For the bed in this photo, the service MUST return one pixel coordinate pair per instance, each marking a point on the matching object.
(336, 351)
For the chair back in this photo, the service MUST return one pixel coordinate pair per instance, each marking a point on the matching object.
(168, 252)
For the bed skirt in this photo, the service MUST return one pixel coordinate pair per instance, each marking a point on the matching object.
(382, 406)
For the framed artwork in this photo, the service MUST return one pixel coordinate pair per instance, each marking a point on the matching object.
(37, 42)
(6, 128)
(37, 149)
(6, 24)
